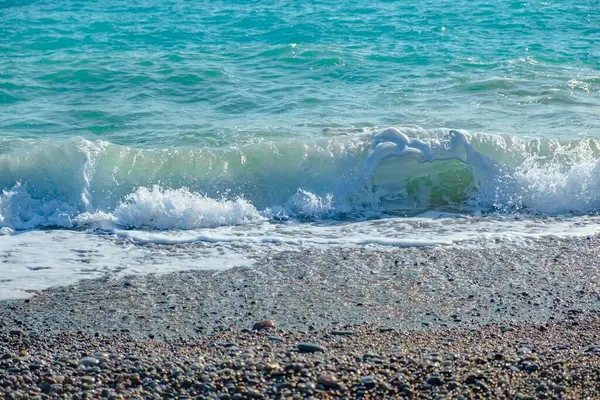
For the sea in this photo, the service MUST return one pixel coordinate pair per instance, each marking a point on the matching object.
(147, 136)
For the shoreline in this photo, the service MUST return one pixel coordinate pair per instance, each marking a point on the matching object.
(403, 288)
(501, 321)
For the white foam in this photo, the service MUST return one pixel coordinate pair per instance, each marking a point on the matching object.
(426, 230)
(162, 209)
(78, 183)
(19, 211)
(304, 204)
(36, 260)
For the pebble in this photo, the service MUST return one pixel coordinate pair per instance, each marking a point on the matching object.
(435, 380)
(342, 333)
(541, 388)
(283, 385)
(89, 361)
(368, 381)
(309, 348)
(523, 350)
(532, 367)
(259, 326)
(594, 349)
(328, 381)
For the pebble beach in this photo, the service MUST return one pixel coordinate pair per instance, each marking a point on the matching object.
(551, 361)
(299, 200)
(418, 323)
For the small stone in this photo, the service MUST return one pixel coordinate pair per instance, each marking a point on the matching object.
(523, 350)
(481, 385)
(593, 349)
(541, 388)
(255, 394)
(283, 386)
(452, 385)
(45, 387)
(342, 333)
(259, 326)
(309, 348)
(272, 367)
(196, 366)
(368, 381)
(226, 345)
(36, 365)
(371, 356)
(328, 381)
(521, 396)
(435, 380)
(57, 387)
(559, 388)
(89, 361)
(532, 367)
(275, 339)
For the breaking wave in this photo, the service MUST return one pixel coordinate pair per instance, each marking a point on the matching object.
(78, 183)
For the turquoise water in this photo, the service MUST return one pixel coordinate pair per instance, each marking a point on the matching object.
(107, 104)
(212, 73)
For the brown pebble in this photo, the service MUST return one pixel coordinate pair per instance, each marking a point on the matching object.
(268, 324)
(328, 381)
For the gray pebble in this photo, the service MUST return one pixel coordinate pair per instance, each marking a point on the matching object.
(309, 348)
(89, 361)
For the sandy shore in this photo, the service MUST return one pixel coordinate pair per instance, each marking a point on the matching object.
(493, 322)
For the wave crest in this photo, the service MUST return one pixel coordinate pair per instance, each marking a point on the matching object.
(398, 171)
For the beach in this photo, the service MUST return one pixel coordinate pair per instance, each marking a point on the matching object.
(270, 199)
(500, 321)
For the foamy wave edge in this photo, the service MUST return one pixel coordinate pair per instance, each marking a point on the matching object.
(154, 208)
(396, 168)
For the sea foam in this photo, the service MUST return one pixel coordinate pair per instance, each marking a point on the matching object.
(163, 209)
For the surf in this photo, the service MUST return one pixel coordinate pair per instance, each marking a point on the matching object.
(408, 170)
